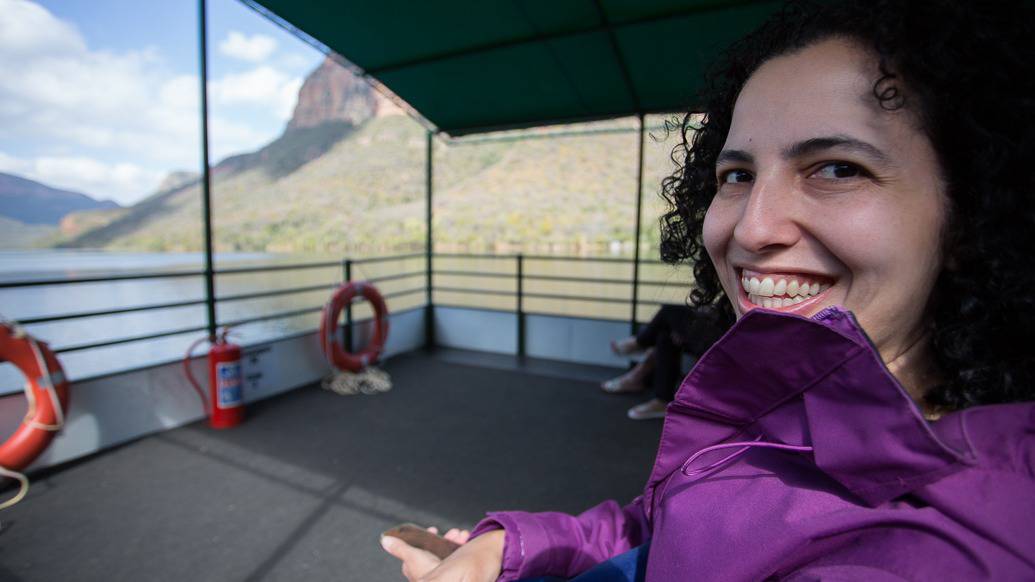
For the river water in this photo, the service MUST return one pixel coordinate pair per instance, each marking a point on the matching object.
(29, 302)
(41, 301)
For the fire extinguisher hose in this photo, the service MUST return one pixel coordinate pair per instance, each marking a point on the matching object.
(190, 375)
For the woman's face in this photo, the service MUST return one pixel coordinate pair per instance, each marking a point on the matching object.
(827, 199)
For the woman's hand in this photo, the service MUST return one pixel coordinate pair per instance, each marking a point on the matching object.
(478, 561)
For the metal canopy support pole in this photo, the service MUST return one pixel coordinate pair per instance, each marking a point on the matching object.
(429, 309)
(347, 276)
(206, 181)
(520, 305)
(636, 239)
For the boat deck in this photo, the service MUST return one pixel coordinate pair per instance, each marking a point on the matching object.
(303, 488)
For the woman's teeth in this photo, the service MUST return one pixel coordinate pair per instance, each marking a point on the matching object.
(780, 292)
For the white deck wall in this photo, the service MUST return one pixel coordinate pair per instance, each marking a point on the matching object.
(552, 337)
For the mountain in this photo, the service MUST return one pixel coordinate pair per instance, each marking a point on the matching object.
(294, 148)
(31, 202)
(347, 176)
(279, 197)
(331, 104)
(366, 194)
(18, 235)
(176, 179)
(332, 93)
(76, 223)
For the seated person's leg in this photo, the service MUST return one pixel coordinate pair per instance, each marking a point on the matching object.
(667, 373)
(634, 380)
(665, 379)
(660, 324)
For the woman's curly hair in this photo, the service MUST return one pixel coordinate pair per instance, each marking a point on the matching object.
(966, 69)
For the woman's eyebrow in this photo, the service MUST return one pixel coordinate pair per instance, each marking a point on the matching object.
(739, 156)
(844, 142)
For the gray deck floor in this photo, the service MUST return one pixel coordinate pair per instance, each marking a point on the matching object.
(302, 489)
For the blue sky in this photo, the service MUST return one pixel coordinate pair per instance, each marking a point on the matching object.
(102, 96)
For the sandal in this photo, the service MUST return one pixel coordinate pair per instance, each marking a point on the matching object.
(620, 385)
(626, 347)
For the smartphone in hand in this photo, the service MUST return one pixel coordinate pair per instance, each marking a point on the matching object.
(419, 537)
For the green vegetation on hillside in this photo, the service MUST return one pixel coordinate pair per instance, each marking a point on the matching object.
(363, 191)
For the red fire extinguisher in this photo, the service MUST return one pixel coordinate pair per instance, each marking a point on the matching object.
(225, 400)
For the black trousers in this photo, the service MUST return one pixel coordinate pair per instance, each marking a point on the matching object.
(674, 330)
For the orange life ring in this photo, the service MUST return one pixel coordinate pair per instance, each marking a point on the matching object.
(45, 416)
(332, 348)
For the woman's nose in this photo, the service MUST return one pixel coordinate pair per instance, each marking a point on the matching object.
(767, 218)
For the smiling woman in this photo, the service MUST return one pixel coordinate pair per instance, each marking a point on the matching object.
(859, 199)
(894, 165)
(859, 214)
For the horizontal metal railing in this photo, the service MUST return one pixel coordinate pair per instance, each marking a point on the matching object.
(473, 273)
(126, 340)
(273, 293)
(521, 260)
(387, 258)
(519, 293)
(100, 279)
(201, 301)
(518, 274)
(271, 268)
(104, 312)
(575, 279)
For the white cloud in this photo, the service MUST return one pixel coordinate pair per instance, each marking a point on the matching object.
(27, 28)
(249, 48)
(125, 111)
(262, 86)
(122, 182)
(294, 61)
(288, 97)
(13, 165)
(227, 137)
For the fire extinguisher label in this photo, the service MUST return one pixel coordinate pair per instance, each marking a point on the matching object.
(229, 385)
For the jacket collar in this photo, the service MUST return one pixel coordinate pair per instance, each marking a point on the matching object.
(771, 370)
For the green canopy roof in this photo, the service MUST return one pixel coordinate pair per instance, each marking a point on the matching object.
(469, 66)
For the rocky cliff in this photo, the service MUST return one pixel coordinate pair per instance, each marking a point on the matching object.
(332, 93)
(331, 104)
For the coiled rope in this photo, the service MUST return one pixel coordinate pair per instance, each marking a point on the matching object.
(369, 381)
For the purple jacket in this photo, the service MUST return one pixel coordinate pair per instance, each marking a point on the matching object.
(824, 470)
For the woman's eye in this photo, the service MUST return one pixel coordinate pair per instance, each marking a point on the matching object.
(838, 170)
(735, 177)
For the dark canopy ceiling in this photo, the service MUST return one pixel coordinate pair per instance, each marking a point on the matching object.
(469, 65)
